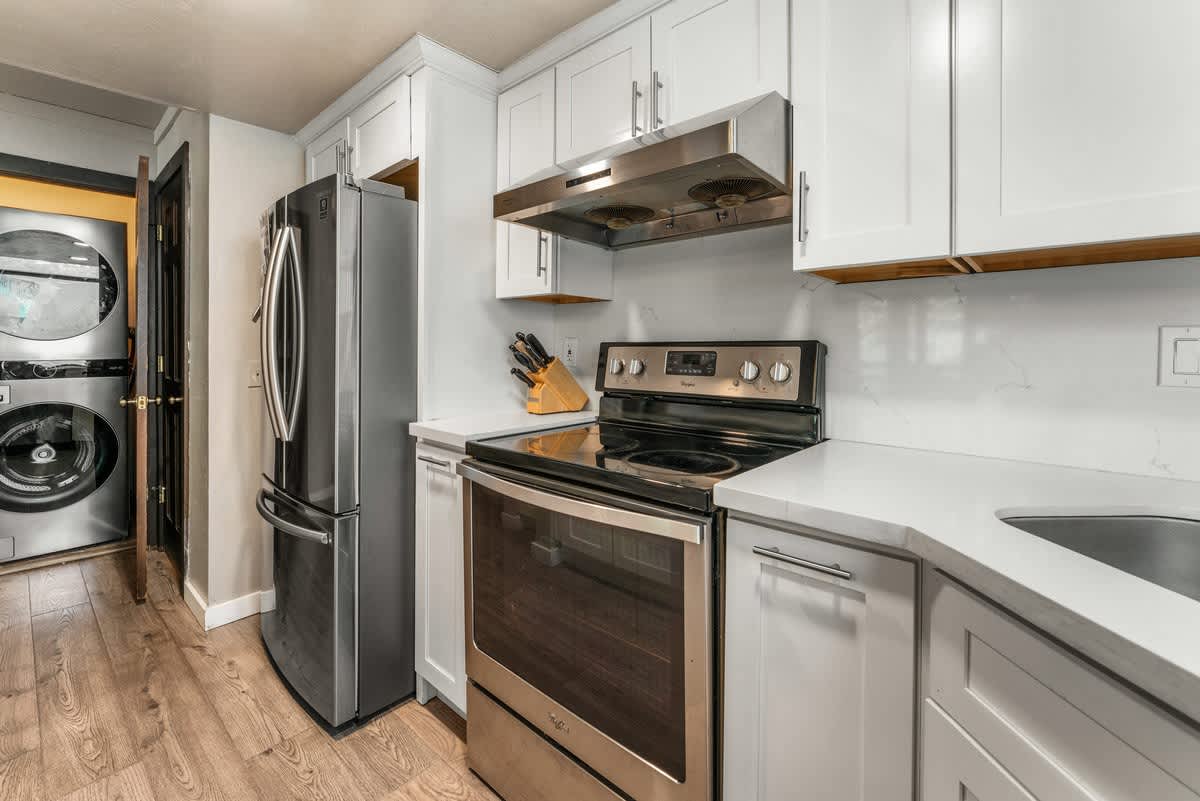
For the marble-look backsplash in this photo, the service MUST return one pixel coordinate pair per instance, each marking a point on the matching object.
(1055, 366)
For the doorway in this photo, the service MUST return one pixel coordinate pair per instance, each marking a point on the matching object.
(168, 289)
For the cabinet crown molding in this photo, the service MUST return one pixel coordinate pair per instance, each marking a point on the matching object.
(575, 38)
(419, 51)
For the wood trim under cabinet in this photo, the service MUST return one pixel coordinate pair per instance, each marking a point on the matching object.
(922, 268)
(1172, 247)
(560, 298)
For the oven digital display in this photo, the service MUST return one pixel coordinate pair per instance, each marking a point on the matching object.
(692, 362)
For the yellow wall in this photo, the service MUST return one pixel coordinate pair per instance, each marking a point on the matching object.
(22, 193)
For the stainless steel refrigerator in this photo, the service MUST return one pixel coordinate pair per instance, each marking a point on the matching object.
(338, 326)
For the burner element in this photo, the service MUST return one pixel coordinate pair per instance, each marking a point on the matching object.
(691, 462)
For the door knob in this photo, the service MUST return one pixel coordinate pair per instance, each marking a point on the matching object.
(139, 401)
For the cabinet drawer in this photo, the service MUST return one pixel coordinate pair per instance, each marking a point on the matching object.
(1062, 727)
(957, 769)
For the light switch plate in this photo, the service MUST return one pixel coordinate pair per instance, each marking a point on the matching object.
(1179, 356)
(5, 396)
(254, 373)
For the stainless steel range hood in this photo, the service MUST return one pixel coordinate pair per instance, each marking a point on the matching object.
(728, 171)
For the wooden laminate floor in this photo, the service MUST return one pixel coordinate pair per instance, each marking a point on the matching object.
(103, 699)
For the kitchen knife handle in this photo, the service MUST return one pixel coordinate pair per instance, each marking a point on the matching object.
(540, 352)
(529, 382)
(522, 359)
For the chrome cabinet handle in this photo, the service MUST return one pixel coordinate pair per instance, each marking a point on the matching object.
(633, 122)
(802, 217)
(541, 266)
(655, 91)
(829, 570)
(285, 526)
(443, 463)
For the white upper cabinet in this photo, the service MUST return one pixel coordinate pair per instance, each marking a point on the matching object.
(531, 263)
(709, 54)
(1076, 122)
(324, 154)
(525, 131)
(871, 127)
(602, 93)
(381, 130)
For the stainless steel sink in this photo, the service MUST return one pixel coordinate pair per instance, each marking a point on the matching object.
(1163, 550)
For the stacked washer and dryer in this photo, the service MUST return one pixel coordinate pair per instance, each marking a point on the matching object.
(64, 368)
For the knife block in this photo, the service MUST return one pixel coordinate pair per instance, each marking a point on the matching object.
(556, 390)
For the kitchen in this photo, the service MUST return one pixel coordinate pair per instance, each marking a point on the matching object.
(938, 497)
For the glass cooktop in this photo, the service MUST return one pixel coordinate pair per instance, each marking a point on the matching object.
(674, 467)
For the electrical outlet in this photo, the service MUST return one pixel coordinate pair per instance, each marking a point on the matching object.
(570, 351)
(254, 373)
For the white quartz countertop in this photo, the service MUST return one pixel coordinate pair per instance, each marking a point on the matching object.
(946, 508)
(456, 432)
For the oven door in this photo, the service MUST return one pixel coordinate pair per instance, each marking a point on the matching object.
(592, 618)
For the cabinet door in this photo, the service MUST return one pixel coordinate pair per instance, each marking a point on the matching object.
(871, 105)
(441, 624)
(955, 768)
(525, 148)
(819, 670)
(1075, 122)
(601, 94)
(748, 39)
(323, 154)
(381, 130)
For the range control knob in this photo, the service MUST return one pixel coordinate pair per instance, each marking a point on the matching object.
(749, 371)
(636, 367)
(780, 372)
(616, 366)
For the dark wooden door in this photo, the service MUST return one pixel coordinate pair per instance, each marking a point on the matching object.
(170, 300)
(140, 409)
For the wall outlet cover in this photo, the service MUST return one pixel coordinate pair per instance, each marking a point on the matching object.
(1179, 356)
(254, 373)
(570, 351)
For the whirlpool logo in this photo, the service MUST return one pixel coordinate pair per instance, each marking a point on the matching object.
(687, 383)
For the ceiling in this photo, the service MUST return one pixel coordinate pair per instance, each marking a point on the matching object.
(274, 63)
(69, 94)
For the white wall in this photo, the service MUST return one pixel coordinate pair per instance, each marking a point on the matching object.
(1055, 366)
(52, 133)
(249, 168)
(192, 127)
(465, 331)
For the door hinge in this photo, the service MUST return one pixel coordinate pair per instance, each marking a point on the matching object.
(160, 363)
(158, 229)
(162, 495)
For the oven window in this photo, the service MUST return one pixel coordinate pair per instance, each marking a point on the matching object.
(590, 614)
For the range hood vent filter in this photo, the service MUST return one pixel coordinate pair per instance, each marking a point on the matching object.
(729, 193)
(618, 218)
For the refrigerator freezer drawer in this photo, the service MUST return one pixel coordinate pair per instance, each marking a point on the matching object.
(310, 632)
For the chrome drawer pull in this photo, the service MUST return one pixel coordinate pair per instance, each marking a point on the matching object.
(434, 462)
(829, 570)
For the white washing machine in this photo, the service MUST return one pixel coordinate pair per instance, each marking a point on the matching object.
(64, 474)
(63, 292)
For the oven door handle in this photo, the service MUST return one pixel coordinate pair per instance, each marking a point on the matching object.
(585, 510)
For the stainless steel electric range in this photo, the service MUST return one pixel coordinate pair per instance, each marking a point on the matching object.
(593, 569)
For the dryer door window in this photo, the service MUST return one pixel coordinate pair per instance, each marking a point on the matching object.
(52, 455)
(53, 286)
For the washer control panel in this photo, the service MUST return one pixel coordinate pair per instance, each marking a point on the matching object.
(790, 372)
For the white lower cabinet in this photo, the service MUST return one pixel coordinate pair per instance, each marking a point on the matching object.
(1046, 725)
(441, 626)
(820, 654)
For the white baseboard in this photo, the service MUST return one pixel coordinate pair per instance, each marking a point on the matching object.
(213, 615)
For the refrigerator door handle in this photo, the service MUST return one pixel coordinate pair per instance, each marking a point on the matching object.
(286, 526)
(271, 388)
(297, 388)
